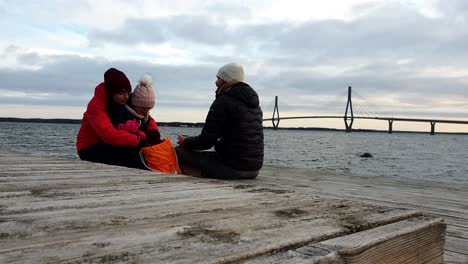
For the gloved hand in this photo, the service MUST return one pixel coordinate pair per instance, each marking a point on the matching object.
(129, 126)
(153, 137)
(132, 127)
(141, 134)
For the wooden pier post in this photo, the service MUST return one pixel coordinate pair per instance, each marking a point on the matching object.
(390, 126)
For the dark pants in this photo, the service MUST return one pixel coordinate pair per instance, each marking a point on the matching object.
(112, 155)
(208, 164)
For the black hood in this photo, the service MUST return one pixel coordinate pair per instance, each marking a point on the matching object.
(244, 93)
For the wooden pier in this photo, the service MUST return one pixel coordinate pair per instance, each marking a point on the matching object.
(69, 211)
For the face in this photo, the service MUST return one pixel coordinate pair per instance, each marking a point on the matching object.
(219, 82)
(121, 97)
(141, 110)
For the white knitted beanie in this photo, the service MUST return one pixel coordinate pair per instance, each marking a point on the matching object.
(231, 72)
(143, 94)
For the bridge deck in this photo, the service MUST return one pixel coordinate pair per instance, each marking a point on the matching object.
(446, 121)
(70, 211)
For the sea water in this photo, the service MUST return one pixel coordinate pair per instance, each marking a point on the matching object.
(440, 157)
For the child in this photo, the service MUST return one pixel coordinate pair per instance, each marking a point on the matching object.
(134, 117)
(156, 154)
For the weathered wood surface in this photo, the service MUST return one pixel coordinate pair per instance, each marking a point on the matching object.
(67, 211)
(446, 200)
(388, 244)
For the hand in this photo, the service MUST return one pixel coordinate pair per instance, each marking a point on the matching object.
(180, 139)
(129, 126)
(141, 134)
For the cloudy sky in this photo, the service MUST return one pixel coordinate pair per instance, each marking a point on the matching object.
(402, 58)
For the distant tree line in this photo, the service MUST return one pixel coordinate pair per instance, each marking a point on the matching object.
(40, 120)
(78, 121)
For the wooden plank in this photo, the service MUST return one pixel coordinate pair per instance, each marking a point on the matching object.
(455, 258)
(220, 233)
(58, 212)
(440, 199)
(390, 244)
(394, 243)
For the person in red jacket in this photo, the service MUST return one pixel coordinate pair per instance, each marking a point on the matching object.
(98, 140)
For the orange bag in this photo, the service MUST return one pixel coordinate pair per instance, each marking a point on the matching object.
(161, 157)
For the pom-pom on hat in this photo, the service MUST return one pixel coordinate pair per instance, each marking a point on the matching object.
(231, 72)
(115, 81)
(143, 94)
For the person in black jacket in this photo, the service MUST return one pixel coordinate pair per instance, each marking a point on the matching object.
(233, 126)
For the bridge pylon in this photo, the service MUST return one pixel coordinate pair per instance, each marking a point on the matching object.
(349, 105)
(390, 126)
(275, 119)
(433, 127)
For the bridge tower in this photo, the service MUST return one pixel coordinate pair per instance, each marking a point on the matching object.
(390, 126)
(433, 127)
(275, 120)
(349, 105)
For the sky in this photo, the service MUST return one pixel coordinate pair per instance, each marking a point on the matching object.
(401, 58)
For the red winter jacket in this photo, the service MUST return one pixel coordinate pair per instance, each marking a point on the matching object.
(151, 126)
(97, 127)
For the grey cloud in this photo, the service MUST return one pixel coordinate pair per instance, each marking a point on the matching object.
(370, 48)
(58, 73)
(69, 76)
(414, 91)
(457, 8)
(405, 35)
(200, 30)
(30, 58)
(369, 82)
(70, 80)
(225, 10)
(134, 31)
(391, 32)
(195, 29)
(52, 100)
(11, 49)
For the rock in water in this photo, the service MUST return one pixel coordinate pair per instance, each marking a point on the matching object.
(367, 155)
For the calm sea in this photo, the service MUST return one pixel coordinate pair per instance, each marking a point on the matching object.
(441, 157)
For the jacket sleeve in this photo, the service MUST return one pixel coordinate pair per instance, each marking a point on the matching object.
(212, 129)
(102, 126)
(152, 126)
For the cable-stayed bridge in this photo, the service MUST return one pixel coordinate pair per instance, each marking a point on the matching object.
(349, 117)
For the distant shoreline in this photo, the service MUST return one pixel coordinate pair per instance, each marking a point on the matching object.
(188, 124)
(78, 121)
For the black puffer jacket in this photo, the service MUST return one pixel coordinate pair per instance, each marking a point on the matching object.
(234, 126)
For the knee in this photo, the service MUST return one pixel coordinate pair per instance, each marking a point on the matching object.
(181, 155)
(177, 148)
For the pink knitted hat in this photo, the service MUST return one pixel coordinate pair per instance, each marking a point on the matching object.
(143, 94)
